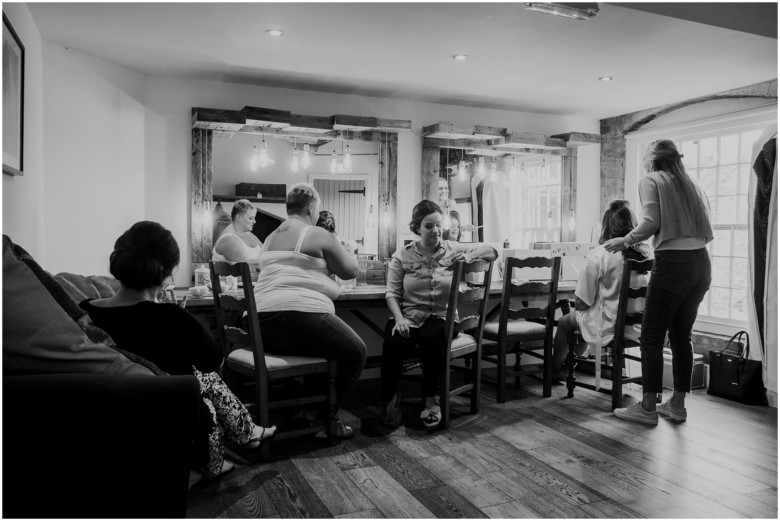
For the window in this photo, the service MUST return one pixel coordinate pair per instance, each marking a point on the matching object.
(717, 155)
(536, 201)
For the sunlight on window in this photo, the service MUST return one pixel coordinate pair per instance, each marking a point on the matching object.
(536, 201)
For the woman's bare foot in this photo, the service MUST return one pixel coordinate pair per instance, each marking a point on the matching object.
(261, 434)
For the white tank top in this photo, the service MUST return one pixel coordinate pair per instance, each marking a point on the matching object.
(252, 253)
(294, 281)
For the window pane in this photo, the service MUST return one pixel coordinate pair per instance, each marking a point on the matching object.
(744, 178)
(726, 210)
(690, 151)
(721, 271)
(740, 242)
(707, 180)
(693, 173)
(704, 307)
(729, 149)
(721, 245)
(708, 152)
(742, 209)
(739, 303)
(746, 145)
(739, 272)
(719, 302)
(727, 180)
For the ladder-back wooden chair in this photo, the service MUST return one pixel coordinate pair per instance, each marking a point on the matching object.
(466, 311)
(245, 357)
(523, 328)
(613, 355)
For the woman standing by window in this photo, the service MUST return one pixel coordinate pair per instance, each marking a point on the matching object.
(676, 214)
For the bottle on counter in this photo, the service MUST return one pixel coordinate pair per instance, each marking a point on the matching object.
(506, 244)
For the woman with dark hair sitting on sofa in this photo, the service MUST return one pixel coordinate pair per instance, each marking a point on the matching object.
(144, 257)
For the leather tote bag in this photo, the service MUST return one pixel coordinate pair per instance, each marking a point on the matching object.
(734, 376)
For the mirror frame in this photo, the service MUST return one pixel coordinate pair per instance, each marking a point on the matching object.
(283, 124)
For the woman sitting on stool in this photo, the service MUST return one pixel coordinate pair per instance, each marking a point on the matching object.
(418, 287)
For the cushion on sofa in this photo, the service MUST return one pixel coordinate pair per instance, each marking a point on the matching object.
(39, 337)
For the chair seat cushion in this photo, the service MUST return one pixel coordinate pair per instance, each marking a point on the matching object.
(245, 358)
(520, 329)
(461, 341)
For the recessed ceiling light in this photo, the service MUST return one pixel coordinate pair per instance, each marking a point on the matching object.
(605, 78)
(275, 32)
(460, 57)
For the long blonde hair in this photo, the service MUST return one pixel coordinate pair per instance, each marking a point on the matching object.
(662, 156)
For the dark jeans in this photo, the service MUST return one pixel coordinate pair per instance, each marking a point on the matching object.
(316, 334)
(431, 339)
(678, 282)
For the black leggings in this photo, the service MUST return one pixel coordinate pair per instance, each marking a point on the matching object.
(427, 341)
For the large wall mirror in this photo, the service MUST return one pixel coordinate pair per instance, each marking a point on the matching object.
(257, 154)
(499, 187)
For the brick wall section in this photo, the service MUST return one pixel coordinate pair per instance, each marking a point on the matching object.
(613, 131)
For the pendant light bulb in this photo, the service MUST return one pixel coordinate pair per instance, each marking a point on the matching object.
(295, 165)
(371, 221)
(386, 217)
(549, 218)
(334, 164)
(254, 162)
(572, 221)
(513, 170)
(347, 160)
(264, 159)
(493, 170)
(481, 167)
(462, 175)
(306, 159)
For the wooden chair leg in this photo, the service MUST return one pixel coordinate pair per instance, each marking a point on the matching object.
(444, 395)
(518, 366)
(501, 373)
(570, 379)
(547, 383)
(476, 381)
(332, 397)
(617, 378)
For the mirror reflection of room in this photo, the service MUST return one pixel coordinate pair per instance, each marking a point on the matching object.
(345, 172)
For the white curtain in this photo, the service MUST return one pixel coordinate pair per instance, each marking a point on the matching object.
(769, 355)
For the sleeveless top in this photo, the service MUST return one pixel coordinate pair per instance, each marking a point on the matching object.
(294, 281)
(252, 252)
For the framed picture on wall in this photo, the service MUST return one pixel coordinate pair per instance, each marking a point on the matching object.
(13, 100)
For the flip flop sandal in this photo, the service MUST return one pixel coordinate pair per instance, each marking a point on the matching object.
(257, 442)
(431, 417)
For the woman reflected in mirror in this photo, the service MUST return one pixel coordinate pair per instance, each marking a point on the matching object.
(237, 243)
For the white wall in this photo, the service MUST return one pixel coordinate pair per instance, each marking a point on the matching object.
(94, 157)
(24, 218)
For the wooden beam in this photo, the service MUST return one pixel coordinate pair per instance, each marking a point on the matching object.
(569, 196)
(313, 124)
(344, 122)
(217, 119)
(575, 139)
(201, 183)
(393, 125)
(460, 143)
(508, 149)
(261, 117)
(431, 160)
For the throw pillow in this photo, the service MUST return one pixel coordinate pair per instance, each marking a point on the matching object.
(38, 335)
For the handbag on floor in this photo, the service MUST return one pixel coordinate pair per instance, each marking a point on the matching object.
(734, 376)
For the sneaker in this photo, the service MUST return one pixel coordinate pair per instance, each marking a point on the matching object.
(636, 413)
(679, 414)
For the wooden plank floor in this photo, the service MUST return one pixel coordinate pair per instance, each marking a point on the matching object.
(529, 457)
